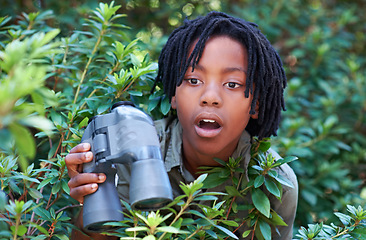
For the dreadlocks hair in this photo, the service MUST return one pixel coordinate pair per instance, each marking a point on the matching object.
(265, 70)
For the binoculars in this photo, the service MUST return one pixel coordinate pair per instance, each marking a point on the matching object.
(126, 135)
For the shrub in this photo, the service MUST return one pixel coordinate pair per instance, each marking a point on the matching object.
(51, 86)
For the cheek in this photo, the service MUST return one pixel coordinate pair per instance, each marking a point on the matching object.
(240, 115)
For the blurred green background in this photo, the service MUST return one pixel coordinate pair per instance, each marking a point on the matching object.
(323, 48)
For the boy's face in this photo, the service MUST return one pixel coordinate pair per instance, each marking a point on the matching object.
(210, 102)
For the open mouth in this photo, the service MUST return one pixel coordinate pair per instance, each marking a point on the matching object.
(208, 124)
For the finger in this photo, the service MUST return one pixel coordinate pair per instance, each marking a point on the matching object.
(80, 192)
(86, 178)
(78, 158)
(74, 162)
(82, 147)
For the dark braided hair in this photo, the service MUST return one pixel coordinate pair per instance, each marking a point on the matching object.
(265, 70)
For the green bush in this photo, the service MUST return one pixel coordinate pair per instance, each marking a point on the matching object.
(49, 88)
(52, 83)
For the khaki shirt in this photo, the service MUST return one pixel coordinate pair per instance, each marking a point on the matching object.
(170, 137)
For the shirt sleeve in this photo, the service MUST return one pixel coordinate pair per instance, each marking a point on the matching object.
(287, 209)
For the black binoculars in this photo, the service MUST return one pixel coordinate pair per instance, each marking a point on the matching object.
(126, 135)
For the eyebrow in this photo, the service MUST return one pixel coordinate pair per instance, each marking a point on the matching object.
(226, 70)
(234, 69)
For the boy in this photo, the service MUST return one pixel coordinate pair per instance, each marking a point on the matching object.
(226, 83)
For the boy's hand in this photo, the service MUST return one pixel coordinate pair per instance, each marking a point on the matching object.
(81, 184)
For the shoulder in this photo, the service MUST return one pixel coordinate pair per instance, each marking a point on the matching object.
(169, 132)
(289, 183)
(285, 170)
(164, 126)
(286, 208)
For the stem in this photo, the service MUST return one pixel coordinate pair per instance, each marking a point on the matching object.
(182, 210)
(255, 226)
(49, 204)
(61, 209)
(232, 201)
(231, 205)
(124, 89)
(88, 64)
(33, 214)
(195, 232)
(16, 226)
(345, 231)
(95, 90)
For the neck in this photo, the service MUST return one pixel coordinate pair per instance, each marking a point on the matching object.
(194, 160)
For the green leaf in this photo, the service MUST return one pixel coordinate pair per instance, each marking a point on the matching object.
(152, 104)
(40, 228)
(205, 198)
(44, 183)
(149, 237)
(264, 146)
(43, 213)
(3, 200)
(261, 202)
(221, 162)
(258, 181)
(137, 229)
(170, 229)
(246, 233)
(359, 233)
(35, 193)
(197, 213)
(227, 232)
(165, 105)
(49, 36)
(265, 229)
(65, 186)
(232, 191)
(23, 139)
(84, 122)
(135, 93)
(103, 108)
(345, 219)
(56, 187)
(230, 223)
(61, 236)
(284, 181)
(287, 159)
(272, 187)
(277, 219)
(20, 231)
(213, 180)
(211, 233)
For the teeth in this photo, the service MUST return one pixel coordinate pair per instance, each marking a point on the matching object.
(208, 120)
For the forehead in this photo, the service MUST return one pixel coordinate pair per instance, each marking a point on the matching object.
(221, 48)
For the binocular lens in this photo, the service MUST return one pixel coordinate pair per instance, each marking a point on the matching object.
(101, 227)
(150, 204)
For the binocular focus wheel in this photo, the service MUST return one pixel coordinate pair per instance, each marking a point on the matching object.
(122, 103)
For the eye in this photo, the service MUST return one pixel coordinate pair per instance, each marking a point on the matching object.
(233, 85)
(193, 81)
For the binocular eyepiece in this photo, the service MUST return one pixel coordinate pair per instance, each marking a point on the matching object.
(126, 135)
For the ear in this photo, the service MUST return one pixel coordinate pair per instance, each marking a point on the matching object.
(174, 103)
(255, 115)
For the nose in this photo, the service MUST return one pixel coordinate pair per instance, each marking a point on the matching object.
(211, 96)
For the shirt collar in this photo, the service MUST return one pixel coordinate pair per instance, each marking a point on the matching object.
(174, 151)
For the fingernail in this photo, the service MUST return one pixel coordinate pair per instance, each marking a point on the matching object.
(94, 186)
(86, 146)
(101, 176)
(88, 155)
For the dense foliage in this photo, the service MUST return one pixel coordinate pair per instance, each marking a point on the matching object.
(53, 81)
